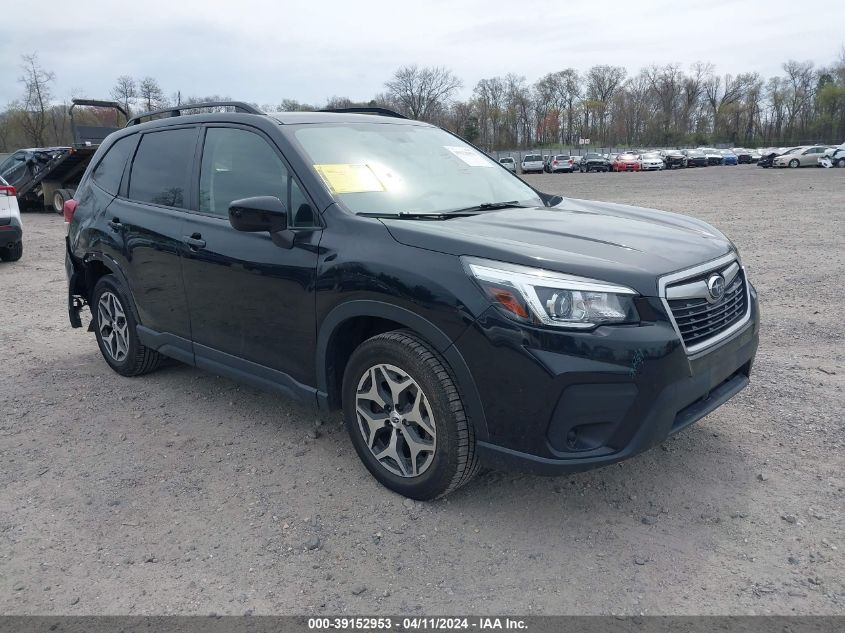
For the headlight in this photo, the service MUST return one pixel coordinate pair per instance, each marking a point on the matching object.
(537, 296)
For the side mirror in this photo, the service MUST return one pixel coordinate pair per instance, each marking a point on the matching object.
(258, 214)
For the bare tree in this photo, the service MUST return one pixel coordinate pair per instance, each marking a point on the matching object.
(490, 101)
(602, 83)
(33, 108)
(422, 92)
(125, 92)
(151, 94)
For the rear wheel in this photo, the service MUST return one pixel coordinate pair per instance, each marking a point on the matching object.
(794, 163)
(60, 196)
(12, 252)
(406, 418)
(115, 326)
(840, 162)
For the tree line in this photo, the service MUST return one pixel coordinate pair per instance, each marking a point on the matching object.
(658, 106)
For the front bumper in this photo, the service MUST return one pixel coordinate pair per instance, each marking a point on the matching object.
(557, 402)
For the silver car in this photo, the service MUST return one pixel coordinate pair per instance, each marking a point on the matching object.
(508, 163)
(807, 156)
(652, 161)
(532, 163)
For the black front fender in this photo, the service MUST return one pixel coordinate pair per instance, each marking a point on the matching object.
(413, 321)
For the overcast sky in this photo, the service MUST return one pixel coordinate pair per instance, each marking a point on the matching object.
(264, 51)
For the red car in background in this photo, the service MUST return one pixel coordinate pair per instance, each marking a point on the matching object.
(627, 162)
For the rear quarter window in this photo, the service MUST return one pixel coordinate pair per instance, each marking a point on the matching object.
(109, 172)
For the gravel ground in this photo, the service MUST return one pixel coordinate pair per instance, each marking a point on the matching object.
(181, 492)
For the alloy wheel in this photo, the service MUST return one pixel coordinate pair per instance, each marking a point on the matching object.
(396, 420)
(113, 326)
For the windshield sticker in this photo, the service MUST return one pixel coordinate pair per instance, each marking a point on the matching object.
(469, 156)
(344, 178)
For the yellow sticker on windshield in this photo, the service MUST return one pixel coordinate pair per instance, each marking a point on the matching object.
(344, 178)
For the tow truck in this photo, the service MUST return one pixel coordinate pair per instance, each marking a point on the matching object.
(45, 177)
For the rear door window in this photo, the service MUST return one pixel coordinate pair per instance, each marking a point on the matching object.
(161, 170)
(109, 172)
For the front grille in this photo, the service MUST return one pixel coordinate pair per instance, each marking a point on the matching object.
(699, 320)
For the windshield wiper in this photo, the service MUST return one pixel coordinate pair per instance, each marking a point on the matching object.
(412, 215)
(446, 215)
(488, 206)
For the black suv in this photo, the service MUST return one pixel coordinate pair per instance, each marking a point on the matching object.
(386, 267)
(594, 162)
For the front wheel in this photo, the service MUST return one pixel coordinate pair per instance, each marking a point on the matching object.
(840, 162)
(794, 163)
(406, 418)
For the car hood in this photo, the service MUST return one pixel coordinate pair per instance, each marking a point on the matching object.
(612, 242)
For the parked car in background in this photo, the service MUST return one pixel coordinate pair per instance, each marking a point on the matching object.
(767, 159)
(743, 156)
(627, 162)
(651, 161)
(694, 158)
(807, 156)
(561, 163)
(546, 160)
(728, 157)
(509, 163)
(755, 155)
(531, 163)
(714, 156)
(11, 232)
(594, 162)
(672, 158)
(576, 161)
(472, 321)
(836, 155)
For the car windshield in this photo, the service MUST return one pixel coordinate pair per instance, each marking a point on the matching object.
(506, 160)
(651, 155)
(695, 152)
(561, 157)
(628, 157)
(393, 168)
(592, 155)
(532, 158)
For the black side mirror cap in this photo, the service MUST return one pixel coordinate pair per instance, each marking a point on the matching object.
(258, 214)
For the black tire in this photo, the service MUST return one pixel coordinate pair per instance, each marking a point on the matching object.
(137, 359)
(60, 196)
(12, 252)
(794, 164)
(840, 162)
(454, 461)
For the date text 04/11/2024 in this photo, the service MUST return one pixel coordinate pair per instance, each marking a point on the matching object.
(416, 623)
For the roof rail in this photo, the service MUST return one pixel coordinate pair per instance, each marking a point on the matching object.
(239, 106)
(379, 111)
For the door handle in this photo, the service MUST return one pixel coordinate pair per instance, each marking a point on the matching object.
(195, 241)
(115, 224)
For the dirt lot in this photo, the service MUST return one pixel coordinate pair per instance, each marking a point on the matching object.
(182, 492)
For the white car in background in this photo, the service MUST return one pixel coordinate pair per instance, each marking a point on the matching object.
(11, 233)
(835, 156)
(532, 163)
(651, 161)
(508, 163)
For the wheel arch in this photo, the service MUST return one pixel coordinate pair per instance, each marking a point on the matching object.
(365, 318)
(98, 265)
